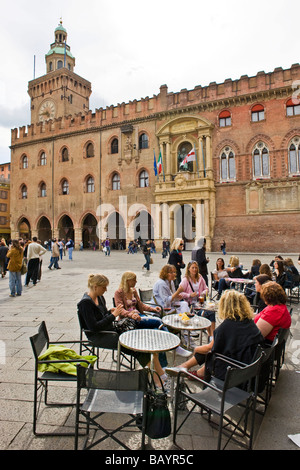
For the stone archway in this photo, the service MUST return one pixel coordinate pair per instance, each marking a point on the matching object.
(65, 228)
(44, 230)
(116, 231)
(24, 229)
(143, 226)
(89, 232)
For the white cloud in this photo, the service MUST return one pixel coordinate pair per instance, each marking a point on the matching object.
(128, 49)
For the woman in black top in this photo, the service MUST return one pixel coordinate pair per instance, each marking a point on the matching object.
(176, 259)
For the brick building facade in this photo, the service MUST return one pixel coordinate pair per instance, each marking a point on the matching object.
(74, 170)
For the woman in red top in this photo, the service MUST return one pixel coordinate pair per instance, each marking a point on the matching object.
(276, 314)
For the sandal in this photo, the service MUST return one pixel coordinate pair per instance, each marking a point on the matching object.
(194, 374)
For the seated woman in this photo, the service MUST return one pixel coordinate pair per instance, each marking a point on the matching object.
(237, 337)
(258, 302)
(131, 304)
(220, 272)
(254, 271)
(192, 286)
(96, 317)
(276, 314)
(234, 272)
(280, 274)
(164, 292)
(265, 269)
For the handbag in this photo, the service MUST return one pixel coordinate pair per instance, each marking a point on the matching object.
(151, 260)
(158, 419)
(125, 324)
(24, 267)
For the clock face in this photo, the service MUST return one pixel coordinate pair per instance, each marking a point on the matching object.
(47, 110)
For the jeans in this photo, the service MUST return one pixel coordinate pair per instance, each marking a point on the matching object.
(53, 261)
(15, 282)
(70, 250)
(147, 264)
(107, 253)
(61, 253)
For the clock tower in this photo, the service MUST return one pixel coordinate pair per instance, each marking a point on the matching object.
(60, 92)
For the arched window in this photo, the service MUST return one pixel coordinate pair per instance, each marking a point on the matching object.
(89, 151)
(224, 119)
(257, 113)
(24, 191)
(43, 159)
(59, 64)
(261, 167)
(24, 161)
(114, 148)
(65, 187)
(294, 156)
(90, 185)
(293, 107)
(116, 182)
(227, 165)
(65, 155)
(43, 190)
(143, 179)
(143, 141)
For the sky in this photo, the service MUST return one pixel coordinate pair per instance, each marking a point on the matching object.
(127, 50)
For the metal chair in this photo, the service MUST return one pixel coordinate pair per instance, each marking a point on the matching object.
(282, 337)
(40, 343)
(213, 286)
(265, 380)
(110, 391)
(146, 296)
(219, 397)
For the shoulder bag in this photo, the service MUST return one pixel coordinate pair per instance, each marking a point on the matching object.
(158, 419)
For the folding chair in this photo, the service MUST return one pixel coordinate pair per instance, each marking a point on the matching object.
(279, 355)
(213, 286)
(39, 343)
(110, 391)
(219, 397)
(265, 380)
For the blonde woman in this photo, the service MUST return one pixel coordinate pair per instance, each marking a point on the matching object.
(234, 272)
(15, 256)
(236, 337)
(176, 258)
(95, 317)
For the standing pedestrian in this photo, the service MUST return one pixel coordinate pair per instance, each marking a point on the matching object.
(199, 255)
(61, 248)
(34, 251)
(107, 246)
(3, 253)
(70, 247)
(55, 255)
(147, 254)
(223, 247)
(15, 255)
(176, 259)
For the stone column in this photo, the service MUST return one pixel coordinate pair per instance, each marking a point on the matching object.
(200, 156)
(199, 220)
(209, 156)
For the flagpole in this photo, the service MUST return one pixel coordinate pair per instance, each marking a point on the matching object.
(203, 159)
(196, 160)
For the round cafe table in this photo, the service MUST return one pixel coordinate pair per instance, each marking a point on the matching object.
(148, 341)
(196, 323)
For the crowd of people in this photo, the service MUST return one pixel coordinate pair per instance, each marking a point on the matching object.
(23, 256)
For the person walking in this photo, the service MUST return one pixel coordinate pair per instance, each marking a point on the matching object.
(223, 247)
(147, 254)
(107, 247)
(15, 256)
(3, 253)
(55, 255)
(34, 251)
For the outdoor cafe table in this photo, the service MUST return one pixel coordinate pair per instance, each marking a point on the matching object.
(147, 341)
(241, 282)
(196, 323)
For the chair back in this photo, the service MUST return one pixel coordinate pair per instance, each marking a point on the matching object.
(145, 294)
(104, 379)
(239, 377)
(40, 340)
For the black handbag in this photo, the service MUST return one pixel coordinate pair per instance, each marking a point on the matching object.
(125, 324)
(158, 419)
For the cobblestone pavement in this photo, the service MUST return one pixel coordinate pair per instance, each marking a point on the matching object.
(54, 300)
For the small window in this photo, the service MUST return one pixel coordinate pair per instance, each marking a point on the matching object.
(143, 141)
(144, 179)
(225, 119)
(43, 190)
(65, 155)
(24, 162)
(65, 187)
(257, 113)
(261, 167)
(90, 185)
(116, 182)
(294, 156)
(60, 64)
(24, 191)
(227, 165)
(90, 151)
(293, 107)
(43, 159)
(115, 146)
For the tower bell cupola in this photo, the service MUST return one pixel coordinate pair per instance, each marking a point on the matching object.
(59, 55)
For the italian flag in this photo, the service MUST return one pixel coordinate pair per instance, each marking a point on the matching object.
(159, 164)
